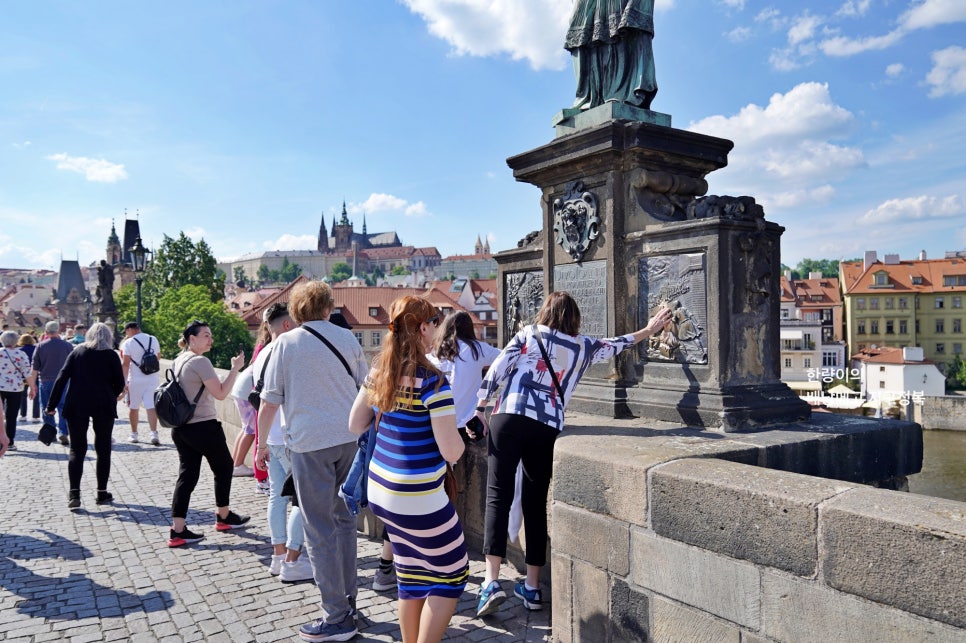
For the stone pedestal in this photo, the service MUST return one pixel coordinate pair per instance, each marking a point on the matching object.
(625, 230)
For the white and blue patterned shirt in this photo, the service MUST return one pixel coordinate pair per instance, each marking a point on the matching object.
(529, 387)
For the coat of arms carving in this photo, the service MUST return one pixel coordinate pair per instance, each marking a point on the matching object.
(575, 220)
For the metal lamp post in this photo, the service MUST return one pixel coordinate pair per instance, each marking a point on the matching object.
(139, 261)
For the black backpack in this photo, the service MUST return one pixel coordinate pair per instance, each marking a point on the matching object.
(149, 360)
(170, 402)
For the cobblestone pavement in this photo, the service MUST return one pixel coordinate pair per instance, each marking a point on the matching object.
(105, 573)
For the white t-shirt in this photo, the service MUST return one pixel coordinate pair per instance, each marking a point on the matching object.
(275, 435)
(465, 374)
(131, 348)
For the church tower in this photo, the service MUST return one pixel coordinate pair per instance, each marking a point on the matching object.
(323, 236)
(113, 247)
(478, 248)
(343, 232)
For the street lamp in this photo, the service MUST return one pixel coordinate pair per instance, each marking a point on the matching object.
(139, 261)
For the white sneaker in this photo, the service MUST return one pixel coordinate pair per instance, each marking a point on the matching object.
(263, 487)
(297, 571)
(155, 440)
(242, 471)
(276, 567)
(134, 438)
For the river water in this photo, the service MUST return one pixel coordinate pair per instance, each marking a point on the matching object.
(943, 466)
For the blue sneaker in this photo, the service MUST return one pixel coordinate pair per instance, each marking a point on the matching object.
(319, 630)
(532, 598)
(491, 597)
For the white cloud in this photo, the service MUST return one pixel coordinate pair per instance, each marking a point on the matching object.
(772, 17)
(739, 34)
(21, 146)
(919, 207)
(806, 110)
(378, 203)
(784, 154)
(842, 46)
(932, 13)
(734, 4)
(97, 170)
(948, 74)
(292, 242)
(533, 31)
(803, 28)
(854, 8)
(417, 209)
(196, 234)
(894, 70)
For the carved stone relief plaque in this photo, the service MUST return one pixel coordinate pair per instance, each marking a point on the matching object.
(679, 281)
(587, 283)
(522, 298)
(575, 220)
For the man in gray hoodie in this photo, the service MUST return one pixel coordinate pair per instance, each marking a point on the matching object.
(314, 374)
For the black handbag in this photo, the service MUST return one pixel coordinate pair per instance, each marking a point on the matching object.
(47, 433)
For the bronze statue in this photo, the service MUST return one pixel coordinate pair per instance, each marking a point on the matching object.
(610, 41)
(105, 288)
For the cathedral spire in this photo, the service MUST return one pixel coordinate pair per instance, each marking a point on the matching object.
(323, 244)
(345, 215)
(364, 224)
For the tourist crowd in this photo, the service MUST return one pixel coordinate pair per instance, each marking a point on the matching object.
(304, 399)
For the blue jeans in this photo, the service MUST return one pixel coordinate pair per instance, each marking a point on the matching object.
(25, 402)
(291, 534)
(45, 389)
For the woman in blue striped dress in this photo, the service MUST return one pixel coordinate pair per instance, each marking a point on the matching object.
(416, 437)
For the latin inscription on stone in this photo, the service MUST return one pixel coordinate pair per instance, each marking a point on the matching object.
(522, 298)
(678, 281)
(587, 283)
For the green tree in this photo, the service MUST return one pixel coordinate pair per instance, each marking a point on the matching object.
(828, 267)
(181, 262)
(289, 271)
(125, 300)
(340, 272)
(240, 278)
(264, 273)
(179, 306)
(399, 270)
(956, 374)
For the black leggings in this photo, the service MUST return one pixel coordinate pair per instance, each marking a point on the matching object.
(196, 441)
(512, 439)
(11, 406)
(77, 427)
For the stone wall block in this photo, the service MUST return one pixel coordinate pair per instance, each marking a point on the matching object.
(591, 599)
(904, 550)
(594, 538)
(561, 595)
(764, 516)
(676, 623)
(725, 587)
(628, 613)
(793, 609)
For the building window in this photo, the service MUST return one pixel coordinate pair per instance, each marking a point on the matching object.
(808, 362)
(882, 278)
(860, 303)
(882, 369)
(940, 326)
(861, 328)
(874, 303)
(874, 326)
(889, 327)
(785, 313)
(917, 327)
(940, 348)
(881, 384)
(939, 302)
(377, 338)
(957, 348)
(957, 325)
(358, 335)
(903, 327)
(957, 302)
(889, 303)
(827, 314)
(903, 303)
(788, 362)
(828, 359)
(373, 311)
(917, 280)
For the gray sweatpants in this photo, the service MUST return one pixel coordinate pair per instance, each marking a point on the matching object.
(330, 531)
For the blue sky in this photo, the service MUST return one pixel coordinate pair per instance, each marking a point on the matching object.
(246, 121)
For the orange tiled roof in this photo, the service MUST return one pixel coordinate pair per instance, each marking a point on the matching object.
(356, 302)
(802, 290)
(856, 280)
(885, 355)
